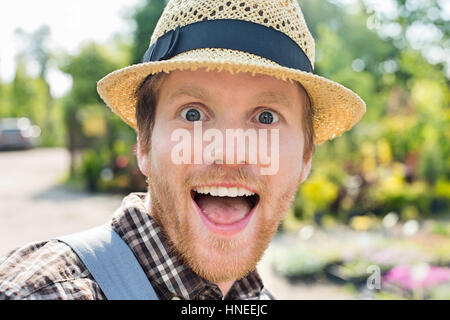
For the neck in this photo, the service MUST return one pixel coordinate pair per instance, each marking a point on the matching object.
(225, 286)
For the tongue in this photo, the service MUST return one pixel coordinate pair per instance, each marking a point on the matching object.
(223, 210)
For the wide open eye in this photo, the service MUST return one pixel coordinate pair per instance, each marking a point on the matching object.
(193, 114)
(267, 117)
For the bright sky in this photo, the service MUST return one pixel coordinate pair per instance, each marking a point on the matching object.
(71, 23)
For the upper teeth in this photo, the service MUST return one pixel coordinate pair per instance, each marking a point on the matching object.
(224, 192)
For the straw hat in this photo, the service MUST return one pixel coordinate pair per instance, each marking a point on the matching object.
(259, 36)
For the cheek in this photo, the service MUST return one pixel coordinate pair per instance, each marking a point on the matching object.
(161, 150)
(285, 183)
(291, 156)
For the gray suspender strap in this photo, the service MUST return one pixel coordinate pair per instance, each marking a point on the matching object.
(112, 264)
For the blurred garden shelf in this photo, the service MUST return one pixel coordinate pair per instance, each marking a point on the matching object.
(343, 256)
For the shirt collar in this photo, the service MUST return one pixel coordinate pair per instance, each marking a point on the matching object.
(168, 274)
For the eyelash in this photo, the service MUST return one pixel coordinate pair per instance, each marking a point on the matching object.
(193, 106)
(189, 107)
(268, 110)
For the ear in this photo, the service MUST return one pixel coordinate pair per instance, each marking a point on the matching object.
(306, 169)
(143, 159)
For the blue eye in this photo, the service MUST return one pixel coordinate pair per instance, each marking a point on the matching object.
(267, 117)
(192, 114)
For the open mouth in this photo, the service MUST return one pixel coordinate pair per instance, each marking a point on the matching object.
(225, 210)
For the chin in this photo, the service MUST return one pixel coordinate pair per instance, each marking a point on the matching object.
(218, 256)
(219, 228)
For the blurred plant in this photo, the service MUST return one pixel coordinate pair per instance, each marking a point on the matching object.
(363, 223)
(440, 292)
(297, 262)
(91, 167)
(145, 18)
(354, 271)
(383, 295)
(111, 174)
(394, 160)
(36, 48)
(316, 195)
(416, 280)
(387, 255)
(441, 228)
(437, 246)
(345, 255)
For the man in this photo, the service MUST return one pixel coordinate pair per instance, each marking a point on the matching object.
(215, 73)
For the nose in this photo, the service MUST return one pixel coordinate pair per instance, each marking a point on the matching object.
(229, 155)
(232, 145)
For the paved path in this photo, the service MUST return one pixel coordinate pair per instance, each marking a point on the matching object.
(34, 206)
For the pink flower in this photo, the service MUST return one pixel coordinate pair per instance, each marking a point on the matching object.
(418, 276)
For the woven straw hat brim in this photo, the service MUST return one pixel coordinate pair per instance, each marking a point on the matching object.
(336, 108)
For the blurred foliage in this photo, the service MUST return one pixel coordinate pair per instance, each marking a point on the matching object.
(397, 159)
(410, 266)
(301, 263)
(145, 18)
(36, 49)
(28, 96)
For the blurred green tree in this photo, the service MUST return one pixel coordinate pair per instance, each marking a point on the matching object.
(36, 48)
(104, 162)
(145, 18)
(396, 158)
(22, 91)
(400, 144)
(85, 68)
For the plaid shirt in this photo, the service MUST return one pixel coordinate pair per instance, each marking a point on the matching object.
(51, 270)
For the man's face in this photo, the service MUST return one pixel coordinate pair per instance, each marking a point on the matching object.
(219, 232)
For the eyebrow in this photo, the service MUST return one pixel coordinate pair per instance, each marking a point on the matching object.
(273, 97)
(194, 92)
(201, 94)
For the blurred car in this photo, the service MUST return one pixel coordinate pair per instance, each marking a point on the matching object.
(18, 133)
